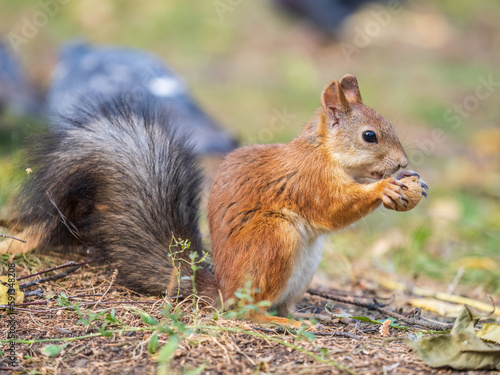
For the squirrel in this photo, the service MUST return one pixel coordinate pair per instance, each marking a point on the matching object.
(119, 184)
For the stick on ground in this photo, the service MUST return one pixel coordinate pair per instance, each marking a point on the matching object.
(435, 326)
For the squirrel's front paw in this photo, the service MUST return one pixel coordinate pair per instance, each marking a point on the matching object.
(393, 196)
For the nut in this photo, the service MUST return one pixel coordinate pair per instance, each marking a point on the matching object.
(414, 192)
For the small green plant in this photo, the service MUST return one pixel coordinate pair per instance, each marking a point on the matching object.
(88, 318)
(53, 350)
(63, 300)
(244, 304)
(176, 260)
(99, 321)
(166, 354)
(195, 263)
(177, 331)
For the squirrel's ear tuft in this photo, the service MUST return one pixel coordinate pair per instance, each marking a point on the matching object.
(334, 101)
(350, 87)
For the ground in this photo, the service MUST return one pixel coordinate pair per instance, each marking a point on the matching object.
(202, 338)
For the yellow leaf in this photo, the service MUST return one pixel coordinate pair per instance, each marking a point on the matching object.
(5, 286)
(490, 332)
(478, 263)
(392, 284)
(439, 307)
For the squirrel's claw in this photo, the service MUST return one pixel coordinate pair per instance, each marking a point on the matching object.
(407, 173)
(400, 184)
(424, 185)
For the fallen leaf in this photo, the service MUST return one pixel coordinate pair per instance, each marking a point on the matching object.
(479, 263)
(441, 308)
(490, 332)
(460, 349)
(384, 328)
(5, 286)
(394, 285)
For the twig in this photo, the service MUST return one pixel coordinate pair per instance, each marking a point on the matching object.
(37, 292)
(45, 302)
(113, 277)
(85, 295)
(394, 285)
(14, 238)
(456, 279)
(68, 264)
(50, 278)
(347, 294)
(29, 303)
(267, 330)
(337, 333)
(340, 334)
(435, 326)
(389, 302)
(71, 307)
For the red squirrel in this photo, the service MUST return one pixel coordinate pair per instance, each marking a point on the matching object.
(118, 184)
(271, 205)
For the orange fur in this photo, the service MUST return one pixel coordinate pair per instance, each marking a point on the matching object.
(269, 203)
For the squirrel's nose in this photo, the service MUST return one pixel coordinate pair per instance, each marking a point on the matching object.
(404, 162)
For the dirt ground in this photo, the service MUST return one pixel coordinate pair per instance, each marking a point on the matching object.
(206, 339)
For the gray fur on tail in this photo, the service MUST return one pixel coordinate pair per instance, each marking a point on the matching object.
(119, 184)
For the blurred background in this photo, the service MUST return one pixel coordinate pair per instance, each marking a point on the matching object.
(257, 68)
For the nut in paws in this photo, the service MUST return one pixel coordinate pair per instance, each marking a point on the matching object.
(412, 191)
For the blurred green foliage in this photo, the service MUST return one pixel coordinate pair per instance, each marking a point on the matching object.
(249, 62)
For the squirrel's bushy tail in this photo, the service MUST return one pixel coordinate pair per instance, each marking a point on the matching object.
(122, 185)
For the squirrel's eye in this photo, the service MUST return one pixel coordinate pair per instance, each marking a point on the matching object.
(370, 136)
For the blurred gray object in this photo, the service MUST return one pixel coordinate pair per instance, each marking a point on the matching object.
(17, 96)
(325, 15)
(86, 71)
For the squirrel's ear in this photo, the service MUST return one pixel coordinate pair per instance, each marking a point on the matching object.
(350, 87)
(334, 101)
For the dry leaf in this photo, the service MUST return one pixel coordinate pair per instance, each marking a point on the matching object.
(4, 291)
(490, 332)
(461, 349)
(394, 285)
(441, 308)
(384, 328)
(478, 263)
